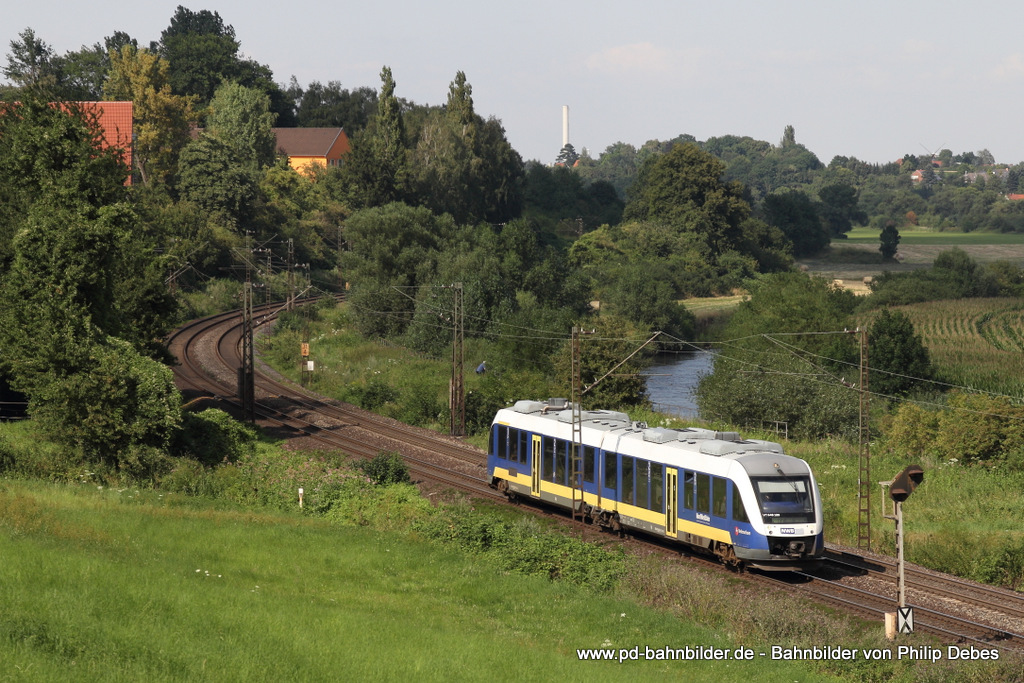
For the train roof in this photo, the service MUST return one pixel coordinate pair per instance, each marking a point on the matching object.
(615, 430)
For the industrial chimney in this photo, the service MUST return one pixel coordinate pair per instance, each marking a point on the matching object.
(565, 125)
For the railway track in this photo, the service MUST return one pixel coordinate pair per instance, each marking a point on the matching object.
(207, 352)
(953, 610)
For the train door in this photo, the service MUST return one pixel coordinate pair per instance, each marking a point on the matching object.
(535, 466)
(671, 501)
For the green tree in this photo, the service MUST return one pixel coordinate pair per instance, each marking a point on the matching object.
(52, 152)
(33, 65)
(121, 400)
(388, 142)
(463, 165)
(637, 293)
(889, 241)
(392, 251)
(163, 120)
(617, 165)
(59, 310)
(215, 179)
(840, 209)
(779, 367)
(899, 360)
(567, 156)
(608, 353)
(240, 117)
(788, 137)
(376, 171)
(201, 51)
(330, 105)
(84, 72)
(794, 213)
(684, 188)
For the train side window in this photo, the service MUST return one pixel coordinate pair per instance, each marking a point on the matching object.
(500, 437)
(719, 487)
(688, 485)
(627, 480)
(611, 470)
(512, 440)
(561, 447)
(643, 483)
(588, 464)
(739, 512)
(658, 488)
(524, 446)
(704, 493)
(548, 464)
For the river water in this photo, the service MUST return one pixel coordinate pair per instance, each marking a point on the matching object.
(673, 379)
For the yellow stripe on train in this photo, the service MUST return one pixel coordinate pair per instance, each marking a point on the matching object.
(643, 514)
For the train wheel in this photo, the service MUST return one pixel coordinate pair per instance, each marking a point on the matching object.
(509, 493)
(727, 554)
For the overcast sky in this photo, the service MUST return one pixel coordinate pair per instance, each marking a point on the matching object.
(872, 79)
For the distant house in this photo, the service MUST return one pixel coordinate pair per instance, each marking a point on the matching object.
(987, 172)
(115, 123)
(307, 146)
(116, 126)
(917, 176)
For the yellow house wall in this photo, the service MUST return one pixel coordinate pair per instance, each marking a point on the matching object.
(300, 164)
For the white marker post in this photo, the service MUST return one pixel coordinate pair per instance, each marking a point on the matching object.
(300, 496)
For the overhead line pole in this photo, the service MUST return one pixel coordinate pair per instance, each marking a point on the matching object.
(457, 394)
(246, 373)
(864, 440)
(576, 473)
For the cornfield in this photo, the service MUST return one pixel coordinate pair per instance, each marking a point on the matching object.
(975, 343)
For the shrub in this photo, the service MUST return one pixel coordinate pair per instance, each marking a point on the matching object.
(385, 468)
(376, 394)
(421, 405)
(523, 547)
(912, 429)
(144, 463)
(1006, 567)
(396, 506)
(213, 436)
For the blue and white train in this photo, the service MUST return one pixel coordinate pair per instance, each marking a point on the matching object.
(743, 500)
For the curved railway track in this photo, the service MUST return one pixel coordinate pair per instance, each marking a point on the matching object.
(208, 354)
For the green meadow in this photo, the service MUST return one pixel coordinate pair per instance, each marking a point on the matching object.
(126, 585)
(863, 235)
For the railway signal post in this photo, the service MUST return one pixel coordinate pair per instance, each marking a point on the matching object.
(900, 489)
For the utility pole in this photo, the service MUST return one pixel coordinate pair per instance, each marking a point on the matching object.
(864, 438)
(246, 373)
(270, 271)
(457, 395)
(576, 467)
(290, 304)
(341, 244)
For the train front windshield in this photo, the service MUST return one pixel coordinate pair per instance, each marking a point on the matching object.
(785, 500)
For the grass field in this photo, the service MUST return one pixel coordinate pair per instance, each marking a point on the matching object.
(929, 237)
(853, 259)
(108, 585)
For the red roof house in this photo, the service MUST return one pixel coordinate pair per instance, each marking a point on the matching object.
(115, 122)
